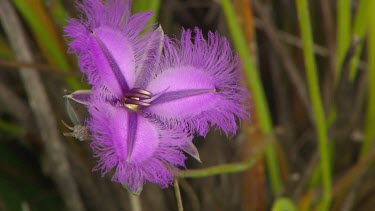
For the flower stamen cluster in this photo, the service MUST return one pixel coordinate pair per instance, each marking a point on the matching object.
(135, 98)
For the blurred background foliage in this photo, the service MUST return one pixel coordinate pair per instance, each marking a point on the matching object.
(310, 66)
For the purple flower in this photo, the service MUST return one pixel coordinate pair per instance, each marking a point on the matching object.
(151, 94)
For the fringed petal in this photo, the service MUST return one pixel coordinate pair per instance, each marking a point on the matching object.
(110, 45)
(155, 152)
(198, 84)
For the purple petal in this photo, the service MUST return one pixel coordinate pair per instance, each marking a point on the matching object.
(109, 46)
(198, 85)
(132, 129)
(155, 152)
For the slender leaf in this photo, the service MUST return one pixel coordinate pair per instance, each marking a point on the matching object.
(44, 31)
(361, 23)
(316, 100)
(257, 92)
(369, 133)
(147, 5)
(343, 31)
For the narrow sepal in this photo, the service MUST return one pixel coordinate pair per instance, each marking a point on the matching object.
(80, 96)
(190, 149)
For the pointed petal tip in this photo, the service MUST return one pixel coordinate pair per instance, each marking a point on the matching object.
(197, 159)
(190, 149)
(79, 96)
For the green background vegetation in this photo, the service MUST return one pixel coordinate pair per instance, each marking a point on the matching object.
(309, 65)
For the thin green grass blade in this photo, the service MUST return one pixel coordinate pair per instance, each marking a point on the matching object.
(316, 100)
(343, 36)
(147, 5)
(361, 24)
(257, 92)
(369, 131)
(57, 11)
(45, 33)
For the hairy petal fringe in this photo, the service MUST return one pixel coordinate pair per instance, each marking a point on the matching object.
(120, 33)
(194, 63)
(156, 154)
(195, 84)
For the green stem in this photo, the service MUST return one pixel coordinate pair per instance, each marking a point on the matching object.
(313, 83)
(226, 168)
(255, 84)
(343, 32)
(359, 30)
(369, 132)
(177, 192)
(216, 170)
(135, 202)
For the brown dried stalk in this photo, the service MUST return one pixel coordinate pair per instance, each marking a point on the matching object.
(57, 164)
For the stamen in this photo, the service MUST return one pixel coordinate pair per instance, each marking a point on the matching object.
(142, 91)
(134, 98)
(138, 95)
(136, 101)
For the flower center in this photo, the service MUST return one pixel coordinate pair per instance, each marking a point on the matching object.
(135, 98)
